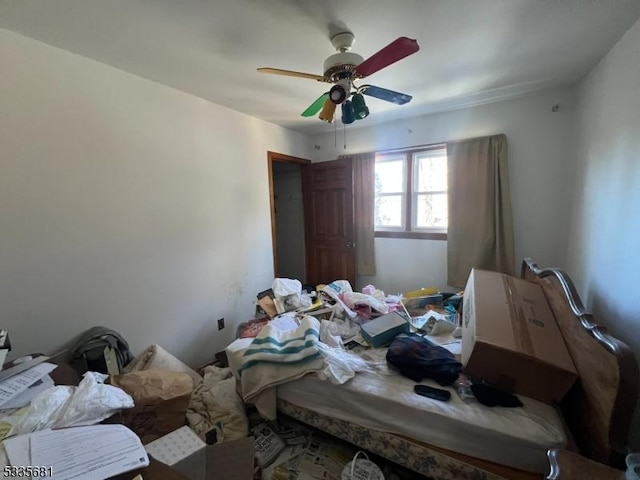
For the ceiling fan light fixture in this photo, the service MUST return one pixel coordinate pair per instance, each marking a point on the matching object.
(337, 94)
(340, 91)
(328, 110)
(345, 67)
(360, 108)
(348, 115)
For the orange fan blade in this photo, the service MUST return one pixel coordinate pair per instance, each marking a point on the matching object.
(291, 73)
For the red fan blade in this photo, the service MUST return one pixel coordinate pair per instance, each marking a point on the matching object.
(398, 49)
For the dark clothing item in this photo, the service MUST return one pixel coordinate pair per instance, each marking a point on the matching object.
(88, 353)
(417, 358)
(492, 397)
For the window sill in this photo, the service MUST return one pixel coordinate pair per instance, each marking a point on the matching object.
(415, 235)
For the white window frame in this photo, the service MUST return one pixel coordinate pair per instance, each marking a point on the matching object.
(403, 193)
(432, 152)
(410, 196)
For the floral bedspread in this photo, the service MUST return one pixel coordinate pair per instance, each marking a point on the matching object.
(415, 456)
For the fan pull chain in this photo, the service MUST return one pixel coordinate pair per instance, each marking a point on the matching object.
(335, 134)
(344, 130)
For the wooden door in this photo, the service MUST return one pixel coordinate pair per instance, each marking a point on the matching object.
(329, 228)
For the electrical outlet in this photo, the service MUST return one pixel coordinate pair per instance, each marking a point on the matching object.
(220, 323)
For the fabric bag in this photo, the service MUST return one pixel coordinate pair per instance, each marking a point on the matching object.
(94, 349)
(417, 358)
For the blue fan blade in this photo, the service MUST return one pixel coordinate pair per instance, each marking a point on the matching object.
(384, 94)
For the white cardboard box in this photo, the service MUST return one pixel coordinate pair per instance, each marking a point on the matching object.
(185, 452)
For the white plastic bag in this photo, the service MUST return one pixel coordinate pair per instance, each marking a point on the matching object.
(288, 295)
(63, 406)
(43, 411)
(336, 290)
(286, 286)
(341, 365)
(353, 299)
(92, 402)
(329, 334)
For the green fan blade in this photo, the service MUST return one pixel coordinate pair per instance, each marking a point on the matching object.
(315, 106)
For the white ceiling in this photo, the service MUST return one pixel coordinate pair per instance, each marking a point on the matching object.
(472, 51)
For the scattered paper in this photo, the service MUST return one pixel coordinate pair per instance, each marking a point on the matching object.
(15, 385)
(267, 445)
(87, 453)
(30, 393)
(17, 449)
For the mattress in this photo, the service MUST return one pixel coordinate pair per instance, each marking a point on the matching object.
(516, 437)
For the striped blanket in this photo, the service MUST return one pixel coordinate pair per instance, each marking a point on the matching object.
(275, 357)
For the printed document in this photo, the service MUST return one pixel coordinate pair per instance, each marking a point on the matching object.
(15, 385)
(24, 398)
(88, 453)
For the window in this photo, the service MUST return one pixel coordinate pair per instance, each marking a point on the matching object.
(411, 193)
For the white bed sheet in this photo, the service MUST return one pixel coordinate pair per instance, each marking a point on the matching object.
(517, 437)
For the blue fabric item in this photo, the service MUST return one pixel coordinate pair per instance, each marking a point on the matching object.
(417, 358)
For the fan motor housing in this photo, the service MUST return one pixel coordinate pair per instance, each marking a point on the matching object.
(345, 62)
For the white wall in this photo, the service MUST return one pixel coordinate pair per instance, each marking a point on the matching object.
(127, 204)
(603, 255)
(540, 170)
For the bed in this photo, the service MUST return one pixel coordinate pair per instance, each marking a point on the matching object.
(593, 418)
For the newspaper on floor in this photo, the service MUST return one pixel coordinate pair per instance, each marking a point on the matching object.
(322, 460)
(296, 438)
(268, 445)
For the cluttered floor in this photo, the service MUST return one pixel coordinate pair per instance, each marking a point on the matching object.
(465, 395)
(290, 450)
(152, 396)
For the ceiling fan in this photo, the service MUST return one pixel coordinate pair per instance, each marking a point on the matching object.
(342, 69)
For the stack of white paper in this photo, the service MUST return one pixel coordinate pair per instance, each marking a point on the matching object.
(18, 390)
(93, 452)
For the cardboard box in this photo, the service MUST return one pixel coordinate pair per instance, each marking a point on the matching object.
(384, 329)
(186, 453)
(510, 337)
(418, 306)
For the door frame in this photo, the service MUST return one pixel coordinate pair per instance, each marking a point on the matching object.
(304, 165)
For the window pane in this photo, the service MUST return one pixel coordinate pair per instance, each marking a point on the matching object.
(431, 210)
(389, 211)
(390, 176)
(431, 171)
